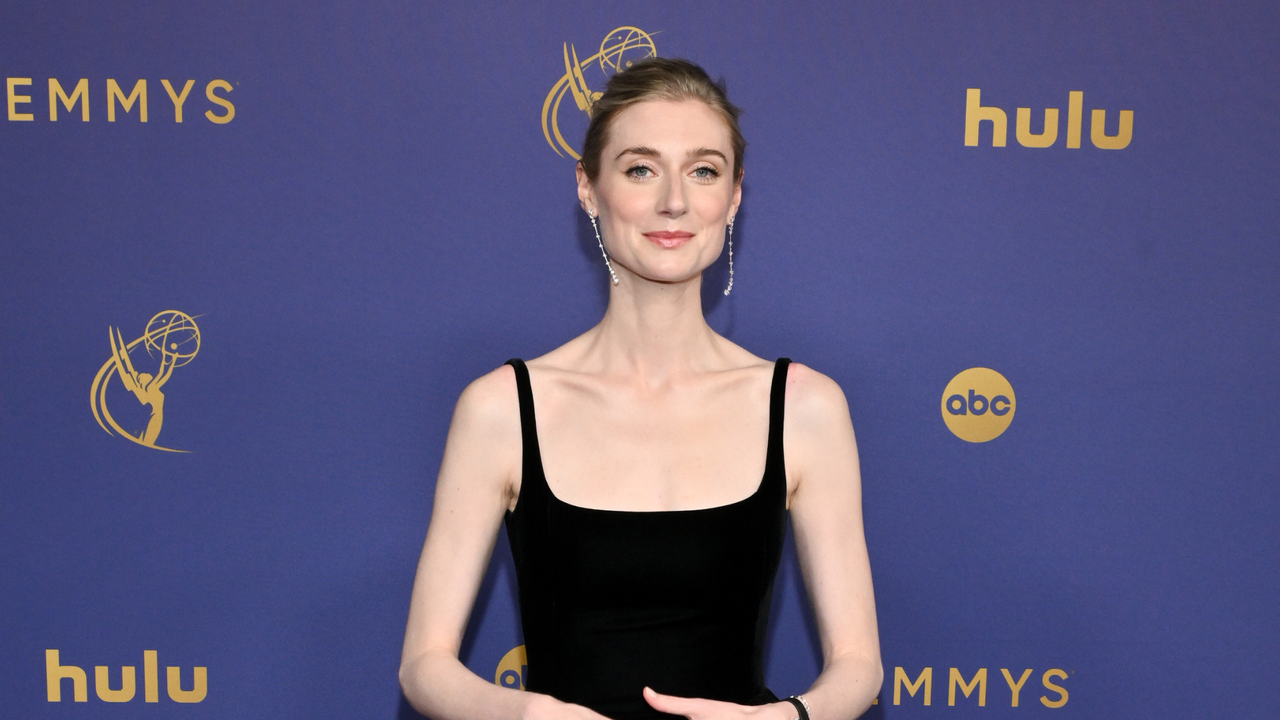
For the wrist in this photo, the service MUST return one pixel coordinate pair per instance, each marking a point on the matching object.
(782, 710)
(799, 707)
(538, 707)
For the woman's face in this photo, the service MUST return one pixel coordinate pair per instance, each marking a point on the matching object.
(665, 191)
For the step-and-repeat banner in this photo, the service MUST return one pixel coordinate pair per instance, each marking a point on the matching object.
(252, 252)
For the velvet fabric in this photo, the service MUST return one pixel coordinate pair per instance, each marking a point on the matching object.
(613, 601)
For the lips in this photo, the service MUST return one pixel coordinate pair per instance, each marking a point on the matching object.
(669, 238)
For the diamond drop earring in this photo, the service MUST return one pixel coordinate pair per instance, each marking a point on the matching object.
(730, 288)
(608, 264)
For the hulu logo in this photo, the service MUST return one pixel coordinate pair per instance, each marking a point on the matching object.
(56, 672)
(975, 114)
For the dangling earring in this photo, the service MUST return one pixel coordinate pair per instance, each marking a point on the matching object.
(607, 264)
(726, 290)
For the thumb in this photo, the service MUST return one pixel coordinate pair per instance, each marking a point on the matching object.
(668, 703)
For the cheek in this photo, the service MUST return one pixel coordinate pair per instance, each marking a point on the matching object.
(624, 202)
(628, 210)
(712, 205)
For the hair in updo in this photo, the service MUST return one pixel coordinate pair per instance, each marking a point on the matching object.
(658, 79)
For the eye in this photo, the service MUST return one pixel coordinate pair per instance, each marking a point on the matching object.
(706, 172)
(639, 172)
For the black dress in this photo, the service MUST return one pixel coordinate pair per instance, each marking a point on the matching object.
(612, 601)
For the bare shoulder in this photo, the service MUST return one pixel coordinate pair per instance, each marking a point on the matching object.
(821, 450)
(815, 401)
(489, 406)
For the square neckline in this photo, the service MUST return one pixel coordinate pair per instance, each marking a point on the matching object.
(522, 376)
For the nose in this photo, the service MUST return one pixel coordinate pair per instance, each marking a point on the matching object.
(672, 204)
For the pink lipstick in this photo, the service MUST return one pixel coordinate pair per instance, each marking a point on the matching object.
(669, 238)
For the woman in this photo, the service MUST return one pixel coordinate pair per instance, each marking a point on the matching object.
(646, 552)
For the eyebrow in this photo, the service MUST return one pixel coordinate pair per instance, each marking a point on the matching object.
(650, 152)
(639, 150)
(700, 152)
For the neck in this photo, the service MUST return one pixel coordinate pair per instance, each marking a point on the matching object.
(654, 330)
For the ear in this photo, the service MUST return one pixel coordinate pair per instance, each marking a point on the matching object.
(586, 191)
(737, 196)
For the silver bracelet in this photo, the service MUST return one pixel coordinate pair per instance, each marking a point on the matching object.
(801, 705)
(805, 703)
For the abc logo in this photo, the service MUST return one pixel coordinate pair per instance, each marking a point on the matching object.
(978, 405)
(511, 669)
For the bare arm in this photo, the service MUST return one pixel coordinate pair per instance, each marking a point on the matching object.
(477, 481)
(826, 515)
(167, 362)
(124, 367)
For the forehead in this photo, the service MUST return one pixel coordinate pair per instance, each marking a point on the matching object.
(669, 126)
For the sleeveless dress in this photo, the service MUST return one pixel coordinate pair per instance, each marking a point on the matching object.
(612, 601)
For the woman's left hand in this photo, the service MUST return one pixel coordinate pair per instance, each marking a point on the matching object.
(702, 709)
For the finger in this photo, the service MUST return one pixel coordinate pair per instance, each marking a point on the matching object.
(663, 703)
(672, 704)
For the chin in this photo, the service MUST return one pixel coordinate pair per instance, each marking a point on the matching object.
(671, 278)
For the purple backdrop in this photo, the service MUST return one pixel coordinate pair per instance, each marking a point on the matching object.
(384, 218)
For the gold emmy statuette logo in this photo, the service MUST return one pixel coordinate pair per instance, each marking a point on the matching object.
(511, 669)
(978, 405)
(618, 50)
(175, 338)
